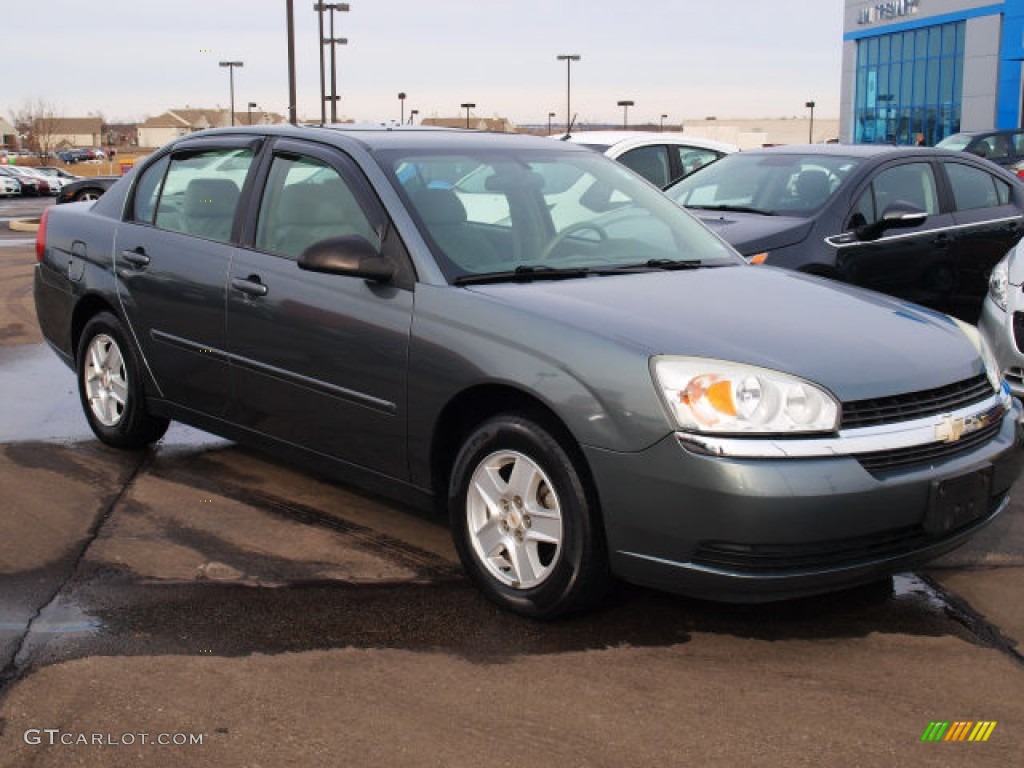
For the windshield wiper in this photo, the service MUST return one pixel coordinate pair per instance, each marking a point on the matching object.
(524, 273)
(733, 209)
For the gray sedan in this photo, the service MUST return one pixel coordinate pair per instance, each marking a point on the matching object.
(537, 341)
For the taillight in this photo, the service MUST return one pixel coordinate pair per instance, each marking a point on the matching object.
(41, 236)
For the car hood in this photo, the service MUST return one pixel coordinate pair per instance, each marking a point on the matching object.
(857, 343)
(751, 233)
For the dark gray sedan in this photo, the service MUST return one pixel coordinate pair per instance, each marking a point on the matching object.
(534, 338)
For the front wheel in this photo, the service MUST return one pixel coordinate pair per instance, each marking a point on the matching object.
(110, 386)
(525, 527)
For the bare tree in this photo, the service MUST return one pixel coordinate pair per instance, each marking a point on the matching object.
(39, 121)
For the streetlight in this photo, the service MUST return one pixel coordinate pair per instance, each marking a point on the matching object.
(412, 116)
(662, 128)
(810, 130)
(401, 101)
(467, 106)
(550, 115)
(250, 108)
(231, 70)
(625, 104)
(568, 58)
(334, 42)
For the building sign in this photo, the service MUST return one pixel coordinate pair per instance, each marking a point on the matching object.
(886, 11)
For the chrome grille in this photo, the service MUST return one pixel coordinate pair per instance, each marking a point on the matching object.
(915, 405)
(901, 458)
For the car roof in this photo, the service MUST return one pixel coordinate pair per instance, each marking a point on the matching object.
(851, 150)
(620, 139)
(386, 137)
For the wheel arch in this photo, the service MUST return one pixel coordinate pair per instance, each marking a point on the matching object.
(471, 407)
(87, 308)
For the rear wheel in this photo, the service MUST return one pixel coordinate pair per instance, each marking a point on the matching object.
(110, 386)
(525, 528)
(88, 194)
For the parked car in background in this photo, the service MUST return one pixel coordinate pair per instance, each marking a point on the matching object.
(9, 186)
(661, 158)
(52, 170)
(30, 186)
(922, 224)
(52, 183)
(86, 188)
(1004, 148)
(616, 392)
(1002, 317)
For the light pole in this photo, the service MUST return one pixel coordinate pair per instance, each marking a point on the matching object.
(412, 116)
(568, 58)
(251, 105)
(231, 70)
(662, 127)
(401, 101)
(467, 106)
(625, 104)
(290, 14)
(550, 115)
(810, 130)
(334, 42)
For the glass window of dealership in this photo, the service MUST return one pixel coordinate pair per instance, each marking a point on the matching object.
(918, 70)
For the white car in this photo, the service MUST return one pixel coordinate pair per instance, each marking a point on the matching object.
(1002, 318)
(661, 158)
(9, 186)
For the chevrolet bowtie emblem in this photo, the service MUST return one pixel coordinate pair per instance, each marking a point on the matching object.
(949, 429)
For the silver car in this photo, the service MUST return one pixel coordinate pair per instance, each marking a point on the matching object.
(1002, 317)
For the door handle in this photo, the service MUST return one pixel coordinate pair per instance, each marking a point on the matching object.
(136, 257)
(250, 286)
(940, 241)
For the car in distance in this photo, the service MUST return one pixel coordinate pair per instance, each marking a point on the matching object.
(87, 188)
(1004, 147)
(30, 186)
(9, 186)
(659, 157)
(615, 393)
(921, 224)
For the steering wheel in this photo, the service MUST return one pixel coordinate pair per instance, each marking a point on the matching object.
(572, 229)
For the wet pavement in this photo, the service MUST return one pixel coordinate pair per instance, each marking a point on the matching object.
(201, 589)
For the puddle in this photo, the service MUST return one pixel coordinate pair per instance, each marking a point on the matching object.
(53, 412)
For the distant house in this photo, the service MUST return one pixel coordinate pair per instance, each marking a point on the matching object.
(70, 131)
(491, 124)
(175, 123)
(8, 135)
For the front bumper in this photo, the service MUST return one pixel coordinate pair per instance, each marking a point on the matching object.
(997, 328)
(743, 529)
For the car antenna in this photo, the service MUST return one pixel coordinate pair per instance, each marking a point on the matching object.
(568, 132)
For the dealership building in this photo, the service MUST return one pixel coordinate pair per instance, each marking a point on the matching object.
(916, 69)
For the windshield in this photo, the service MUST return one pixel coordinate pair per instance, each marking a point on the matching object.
(769, 183)
(958, 141)
(538, 210)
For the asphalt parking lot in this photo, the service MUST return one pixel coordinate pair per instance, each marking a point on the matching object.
(201, 604)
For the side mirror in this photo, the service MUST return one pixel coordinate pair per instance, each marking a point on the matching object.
(350, 255)
(898, 215)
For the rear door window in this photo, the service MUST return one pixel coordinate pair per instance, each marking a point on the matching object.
(974, 188)
(201, 191)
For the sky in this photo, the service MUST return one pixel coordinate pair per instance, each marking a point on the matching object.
(688, 59)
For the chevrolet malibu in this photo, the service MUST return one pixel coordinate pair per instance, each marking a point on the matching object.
(606, 392)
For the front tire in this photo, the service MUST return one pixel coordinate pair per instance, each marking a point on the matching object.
(110, 386)
(526, 529)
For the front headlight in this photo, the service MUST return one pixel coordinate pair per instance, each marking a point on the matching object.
(999, 284)
(724, 397)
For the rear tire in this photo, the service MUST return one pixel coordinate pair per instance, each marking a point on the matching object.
(525, 527)
(88, 194)
(110, 386)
